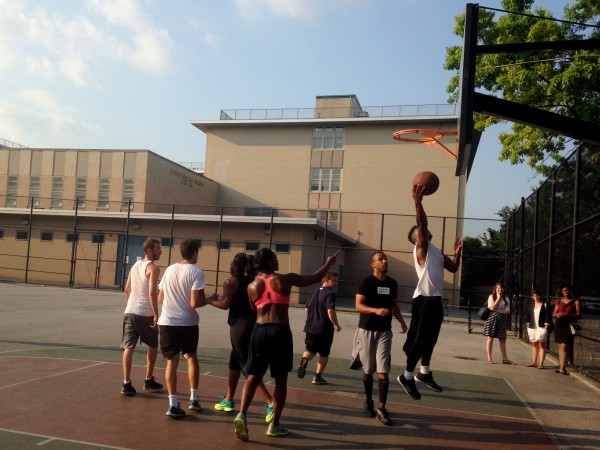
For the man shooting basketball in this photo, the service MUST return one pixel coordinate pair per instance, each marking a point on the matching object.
(427, 308)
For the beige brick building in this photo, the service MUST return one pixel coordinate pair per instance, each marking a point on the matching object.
(303, 181)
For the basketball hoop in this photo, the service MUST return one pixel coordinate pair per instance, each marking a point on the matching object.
(432, 138)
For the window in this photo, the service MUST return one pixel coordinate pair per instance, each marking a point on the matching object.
(332, 218)
(328, 138)
(224, 244)
(12, 186)
(282, 247)
(70, 237)
(166, 242)
(97, 238)
(1, 234)
(81, 191)
(22, 235)
(128, 190)
(34, 192)
(46, 236)
(104, 193)
(325, 180)
(260, 212)
(251, 246)
(57, 192)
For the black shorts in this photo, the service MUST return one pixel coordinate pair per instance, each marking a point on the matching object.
(240, 332)
(175, 339)
(319, 343)
(136, 328)
(271, 345)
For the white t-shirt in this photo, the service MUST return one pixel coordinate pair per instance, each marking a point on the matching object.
(139, 297)
(502, 306)
(177, 284)
(431, 274)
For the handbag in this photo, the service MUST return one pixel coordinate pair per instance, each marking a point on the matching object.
(484, 313)
(575, 327)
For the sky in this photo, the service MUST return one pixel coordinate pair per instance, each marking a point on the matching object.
(134, 74)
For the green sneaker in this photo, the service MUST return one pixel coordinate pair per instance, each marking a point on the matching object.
(241, 429)
(277, 430)
(225, 405)
(270, 412)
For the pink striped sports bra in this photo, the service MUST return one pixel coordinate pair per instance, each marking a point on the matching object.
(270, 296)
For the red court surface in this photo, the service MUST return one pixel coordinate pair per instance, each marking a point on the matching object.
(63, 403)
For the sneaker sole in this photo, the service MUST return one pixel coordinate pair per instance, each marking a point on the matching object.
(128, 394)
(175, 416)
(278, 434)
(385, 422)
(434, 389)
(241, 432)
(193, 408)
(221, 409)
(407, 391)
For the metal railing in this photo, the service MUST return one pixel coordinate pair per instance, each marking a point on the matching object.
(341, 112)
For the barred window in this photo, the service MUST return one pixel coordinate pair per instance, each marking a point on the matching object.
(325, 180)
(104, 193)
(328, 138)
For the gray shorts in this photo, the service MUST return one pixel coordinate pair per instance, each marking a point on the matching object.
(374, 349)
(138, 328)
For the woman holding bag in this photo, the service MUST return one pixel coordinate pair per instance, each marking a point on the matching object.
(495, 325)
(566, 310)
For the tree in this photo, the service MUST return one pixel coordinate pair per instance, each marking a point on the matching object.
(567, 83)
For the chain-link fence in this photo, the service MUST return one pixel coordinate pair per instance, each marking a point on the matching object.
(553, 239)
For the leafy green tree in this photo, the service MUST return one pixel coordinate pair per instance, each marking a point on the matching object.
(566, 83)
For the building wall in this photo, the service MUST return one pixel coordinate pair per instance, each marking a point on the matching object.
(156, 180)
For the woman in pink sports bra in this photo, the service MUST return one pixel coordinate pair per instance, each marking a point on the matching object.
(271, 342)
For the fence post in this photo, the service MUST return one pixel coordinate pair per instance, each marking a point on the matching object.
(219, 250)
(74, 246)
(125, 242)
(29, 240)
(325, 236)
(271, 228)
(171, 232)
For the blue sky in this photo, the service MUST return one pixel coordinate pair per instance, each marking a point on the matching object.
(120, 74)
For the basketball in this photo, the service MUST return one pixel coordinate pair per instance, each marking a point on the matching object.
(429, 180)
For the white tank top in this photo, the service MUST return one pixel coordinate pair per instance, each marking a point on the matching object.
(139, 298)
(431, 274)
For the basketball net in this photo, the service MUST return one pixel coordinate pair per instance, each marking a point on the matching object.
(432, 138)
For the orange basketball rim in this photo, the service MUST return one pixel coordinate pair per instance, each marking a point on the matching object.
(430, 137)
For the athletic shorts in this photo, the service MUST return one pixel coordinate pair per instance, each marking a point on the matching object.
(319, 343)
(375, 350)
(240, 332)
(271, 345)
(136, 328)
(178, 339)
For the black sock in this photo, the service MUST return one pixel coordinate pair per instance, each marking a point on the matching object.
(383, 386)
(368, 389)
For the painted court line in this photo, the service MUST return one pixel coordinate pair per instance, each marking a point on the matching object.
(49, 439)
(50, 376)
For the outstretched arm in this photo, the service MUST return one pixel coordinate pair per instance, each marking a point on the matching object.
(294, 279)
(422, 230)
(452, 265)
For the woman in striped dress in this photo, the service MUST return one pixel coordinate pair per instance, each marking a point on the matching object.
(495, 326)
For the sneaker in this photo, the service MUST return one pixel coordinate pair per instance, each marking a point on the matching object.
(195, 406)
(319, 380)
(428, 380)
(241, 428)
(410, 387)
(128, 389)
(152, 385)
(368, 409)
(270, 412)
(175, 412)
(277, 430)
(225, 405)
(383, 416)
(302, 367)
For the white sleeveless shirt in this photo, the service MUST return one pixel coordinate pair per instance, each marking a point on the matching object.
(431, 274)
(139, 298)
